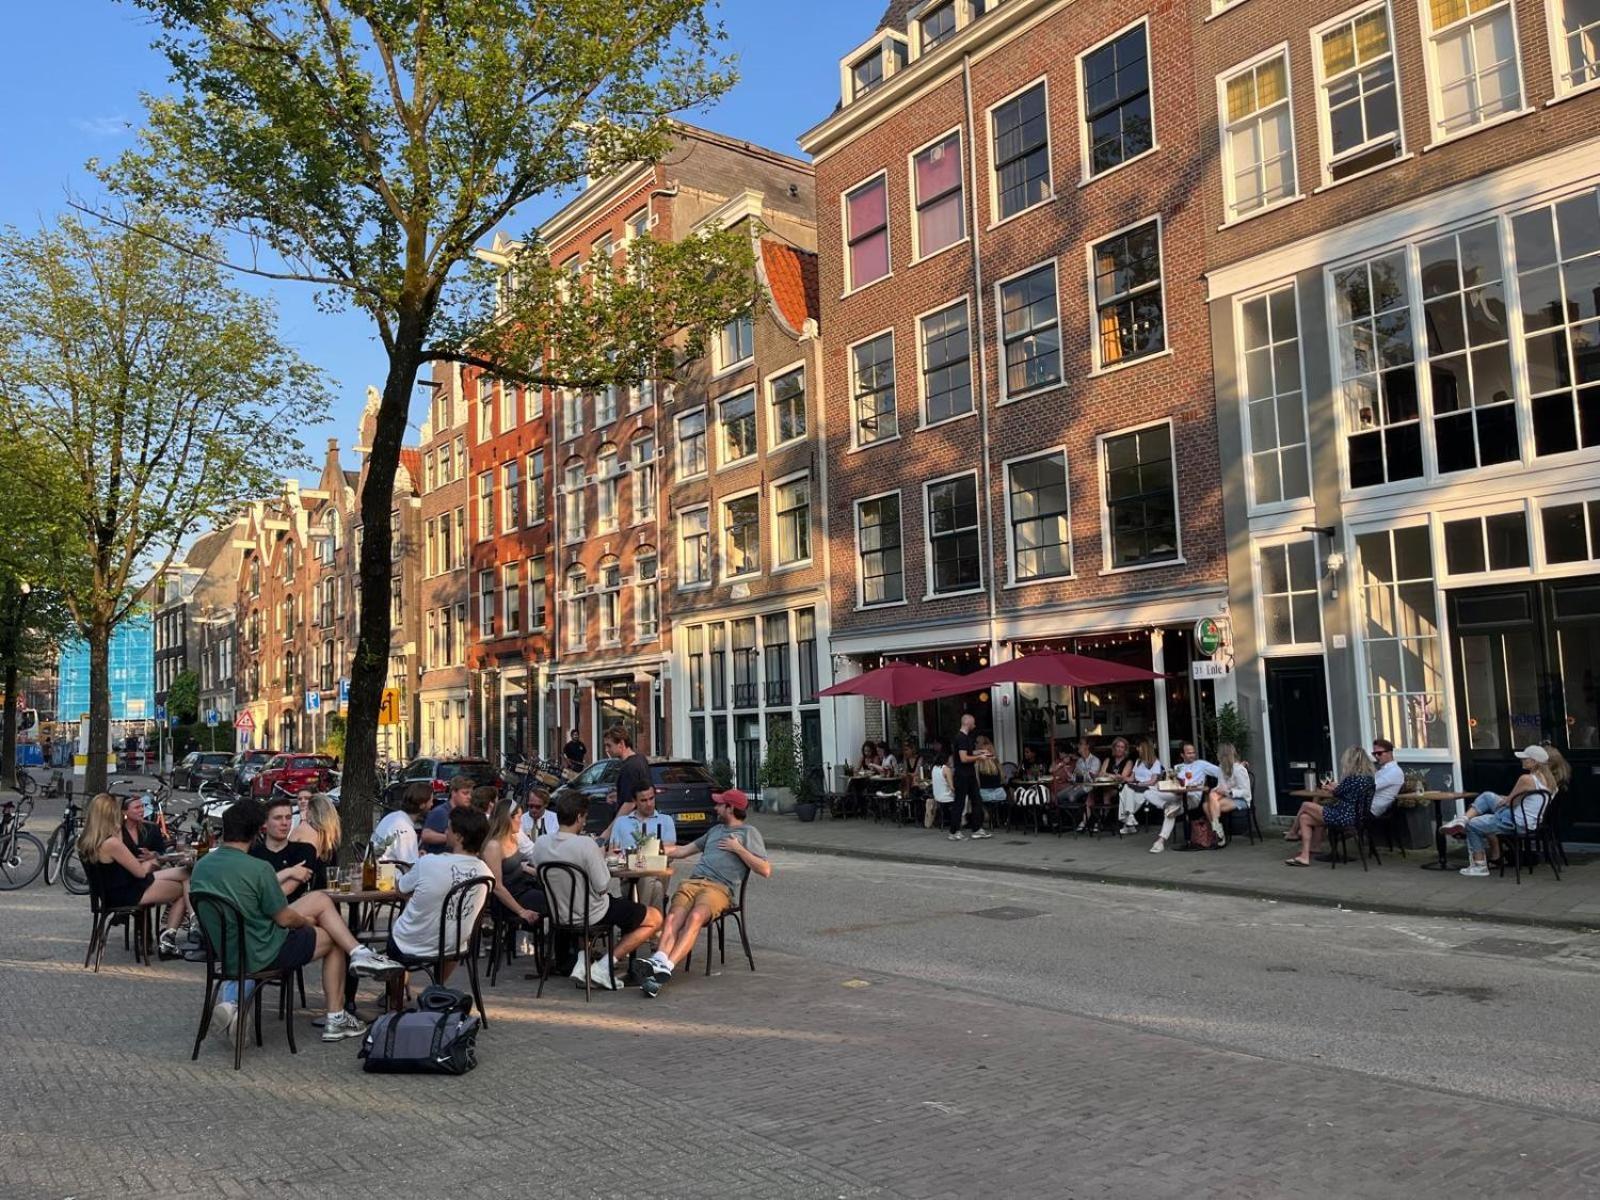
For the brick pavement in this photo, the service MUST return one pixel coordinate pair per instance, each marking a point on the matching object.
(802, 1080)
(1398, 885)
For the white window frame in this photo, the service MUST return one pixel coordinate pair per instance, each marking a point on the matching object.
(1006, 397)
(1094, 304)
(684, 583)
(534, 498)
(607, 595)
(1256, 506)
(574, 515)
(575, 632)
(766, 390)
(1430, 62)
(511, 500)
(571, 406)
(928, 594)
(755, 418)
(1558, 55)
(1080, 104)
(641, 498)
(608, 484)
(1257, 580)
(723, 573)
(511, 597)
(1105, 509)
(1011, 549)
(1478, 514)
(855, 533)
(917, 254)
(995, 219)
(1229, 216)
(811, 501)
(1324, 117)
(851, 287)
(917, 15)
(677, 444)
(643, 585)
(722, 366)
(965, 301)
(1540, 557)
(509, 406)
(850, 375)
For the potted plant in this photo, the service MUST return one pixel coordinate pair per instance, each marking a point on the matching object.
(805, 798)
(780, 770)
(722, 774)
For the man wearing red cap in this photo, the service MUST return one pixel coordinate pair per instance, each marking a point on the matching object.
(729, 851)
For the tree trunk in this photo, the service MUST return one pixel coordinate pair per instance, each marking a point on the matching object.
(99, 639)
(359, 784)
(16, 602)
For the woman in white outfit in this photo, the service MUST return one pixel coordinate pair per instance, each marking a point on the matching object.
(1146, 773)
(1232, 793)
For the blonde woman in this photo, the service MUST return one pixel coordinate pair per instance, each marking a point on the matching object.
(126, 881)
(504, 860)
(991, 787)
(1232, 793)
(1146, 771)
(1491, 816)
(1352, 796)
(319, 828)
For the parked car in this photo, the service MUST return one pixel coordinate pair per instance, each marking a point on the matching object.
(683, 792)
(246, 763)
(199, 766)
(439, 772)
(292, 772)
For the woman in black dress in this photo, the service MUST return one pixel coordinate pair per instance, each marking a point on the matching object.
(124, 877)
(1351, 799)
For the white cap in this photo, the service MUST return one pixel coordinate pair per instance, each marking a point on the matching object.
(1538, 753)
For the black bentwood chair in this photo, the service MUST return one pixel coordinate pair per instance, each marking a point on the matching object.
(567, 892)
(226, 964)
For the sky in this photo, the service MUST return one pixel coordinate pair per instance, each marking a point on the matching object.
(72, 88)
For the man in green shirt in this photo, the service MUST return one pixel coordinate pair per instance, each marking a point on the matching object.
(278, 935)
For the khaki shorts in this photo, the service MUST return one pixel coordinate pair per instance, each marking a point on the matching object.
(706, 892)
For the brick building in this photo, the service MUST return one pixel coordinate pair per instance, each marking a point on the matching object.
(1022, 439)
(447, 711)
(1403, 271)
(189, 588)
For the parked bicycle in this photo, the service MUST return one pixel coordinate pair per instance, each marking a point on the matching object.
(61, 861)
(27, 782)
(21, 854)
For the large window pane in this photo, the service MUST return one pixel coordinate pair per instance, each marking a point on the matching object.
(1557, 253)
(1377, 372)
(1274, 404)
(867, 232)
(878, 543)
(946, 363)
(1258, 138)
(1400, 638)
(1041, 542)
(1021, 139)
(1030, 331)
(1116, 100)
(873, 369)
(936, 177)
(1141, 501)
(953, 542)
(1127, 290)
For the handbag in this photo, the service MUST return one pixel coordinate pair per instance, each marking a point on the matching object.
(439, 1037)
(1201, 834)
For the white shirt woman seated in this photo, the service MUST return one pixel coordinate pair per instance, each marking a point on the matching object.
(1147, 771)
(1232, 793)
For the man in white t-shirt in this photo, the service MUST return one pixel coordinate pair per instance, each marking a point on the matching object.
(395, 838)
(1196, 776)
(1388, 779)
(415, 934)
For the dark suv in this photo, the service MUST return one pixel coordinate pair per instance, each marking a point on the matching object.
(439, 772)
(197, 767)
(246, 764)
(683, 792)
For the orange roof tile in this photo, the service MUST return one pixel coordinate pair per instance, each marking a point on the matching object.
(411, 460)
(792, 277)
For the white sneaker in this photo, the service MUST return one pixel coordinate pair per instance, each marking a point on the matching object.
(1222, 834)
(1476, 871)
(600, 974)
(981, 833)
(341, 1025)
(661, 964)
(1161, 844)
(957, 836)
(580, 969)
(1455, 827)
(223, 1014)
(364, 960)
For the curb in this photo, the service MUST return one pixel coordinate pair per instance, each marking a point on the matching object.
(1240, 891)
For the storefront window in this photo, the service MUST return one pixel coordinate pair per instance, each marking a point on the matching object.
(1400, 638)
(618, 705)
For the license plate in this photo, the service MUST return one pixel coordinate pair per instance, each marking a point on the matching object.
(689, 818)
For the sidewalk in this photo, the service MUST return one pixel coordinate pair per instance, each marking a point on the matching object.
(1398, 886)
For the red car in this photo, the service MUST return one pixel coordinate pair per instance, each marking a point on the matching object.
(292, 772)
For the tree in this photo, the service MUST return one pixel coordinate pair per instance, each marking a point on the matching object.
(183, 697)
(159, 400)
(369, 148)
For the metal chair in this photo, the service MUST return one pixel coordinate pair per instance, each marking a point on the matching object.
(566, 890)
(466, 944)
(1247, 814)
(719, 924)
(227, 964)
(1532, 840)
(138, 921)
(1031, 799)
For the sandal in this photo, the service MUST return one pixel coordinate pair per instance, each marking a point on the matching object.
(1295, 862)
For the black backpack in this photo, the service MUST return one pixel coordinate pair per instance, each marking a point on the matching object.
(438, 1037)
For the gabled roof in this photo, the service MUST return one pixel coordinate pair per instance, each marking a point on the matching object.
(894, 17)
(206, 547)
(411, 460)
(792, 279)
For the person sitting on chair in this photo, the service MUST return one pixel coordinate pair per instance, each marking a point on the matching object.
(570, 845)
(1491, 816)
(293, 862)
(1232, 793)
(131, 879)
(1351, 794)
(1388, 779)
(397, 832)
(142, 837)
(436, 825)
(414, 936)
(728, 851)
(1137, 792)
(644, 821)
(1195, 775)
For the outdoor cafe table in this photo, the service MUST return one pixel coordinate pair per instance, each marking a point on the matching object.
(360, 898)
(1409, 800)
(630, 877)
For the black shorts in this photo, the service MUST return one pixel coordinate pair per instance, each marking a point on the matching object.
(626, 915)
(299, 948)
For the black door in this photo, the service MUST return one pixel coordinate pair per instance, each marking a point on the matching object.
(1297, 705)
(1527, 670)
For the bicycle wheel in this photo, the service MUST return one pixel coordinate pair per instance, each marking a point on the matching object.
(24, 861)
(55, 853)
(73, 877)
(27, 784)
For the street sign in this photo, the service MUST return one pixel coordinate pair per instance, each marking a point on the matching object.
(389, 713)
(1208, 670)
(244, 721)
(173, 720)
(1208, 635)
(344, 692)
(313, 701)
(211, 718)
(161, 712)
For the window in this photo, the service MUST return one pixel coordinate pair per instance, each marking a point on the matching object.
(1258, 138)
(610, 602)
(805, 641)
(946, 364)
(1473, 52)
(576, 616)
(1290, 595)
(427, 473)
(937, 26)
(866, 73)
(572, 516)
(608, 484)
(644, 477)
(936, 189)
(878, 544)
(1400, 638)
(1275, 411)
(1116, 100)
(1499, 542)
(736, 343)
(692, 444)
(866, 232)
(486, 603)
(446, 468)
(461, 457)
(1558, 277)
(694, 547)
(605, 405)
(1378, 379)
(508, 407)
(510, 580)
(1030, 330)
(775, 645)
(1468, 349)
(1021, 152)
(533, 402)
(485, 505)
(1040, 516)
(485, 408)
(788, 393)
(791, 514)
(1141, 497)
(459, 561)
(741, 536)
(1360, 100)
(736, 417)
(719, 669)
(872, 365)
(288, 559)
(954, 562)
(646, 596)
(1578, 43)
(538, 595)
(511, 497)
(638, 226)
(1127, 295)
(536, 481)
(641, 395)
(1571, 532)
(571, 411)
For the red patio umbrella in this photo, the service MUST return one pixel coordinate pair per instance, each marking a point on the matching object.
(1054, 670)
(899, 683)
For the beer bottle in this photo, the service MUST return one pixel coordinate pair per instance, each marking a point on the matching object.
(369, 870)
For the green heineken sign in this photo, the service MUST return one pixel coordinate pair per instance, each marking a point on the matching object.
(1208, 636)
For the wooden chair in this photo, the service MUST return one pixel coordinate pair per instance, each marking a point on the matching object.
(226, 964)
(567, 890)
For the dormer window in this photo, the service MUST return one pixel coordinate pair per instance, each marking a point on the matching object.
(866, 74)
(937, 26)
(866, 70)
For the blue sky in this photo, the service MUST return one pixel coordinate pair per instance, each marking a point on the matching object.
(72, 87)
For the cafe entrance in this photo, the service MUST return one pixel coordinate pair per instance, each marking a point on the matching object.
(1527, 670)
